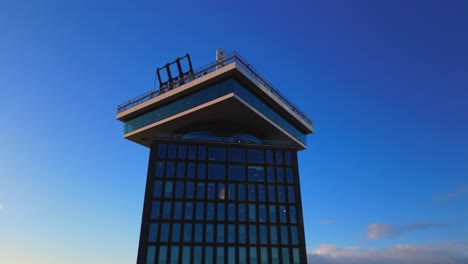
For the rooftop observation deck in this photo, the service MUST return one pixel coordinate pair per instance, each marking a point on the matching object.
(231, 58)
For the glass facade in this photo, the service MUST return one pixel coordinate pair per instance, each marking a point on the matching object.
(206, 95)
(209, 202)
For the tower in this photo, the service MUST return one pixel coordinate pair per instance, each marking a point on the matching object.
(223, 181)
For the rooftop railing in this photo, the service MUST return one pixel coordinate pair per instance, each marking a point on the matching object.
(234, 57)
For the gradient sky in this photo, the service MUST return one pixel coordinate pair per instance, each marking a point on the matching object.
(385, 175)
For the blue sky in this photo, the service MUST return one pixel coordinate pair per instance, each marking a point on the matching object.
(385, 176)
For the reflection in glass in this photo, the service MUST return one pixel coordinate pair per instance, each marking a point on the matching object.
(252, 234)
(180, 169)
(264, 255)
(291, 194)
(199, 211)
(162, 256)
(150, 255)
(242, 234)
(190, 192)
(242, 212)
(242, 255)
(168, 189)
(220, 233)
(232, 192)
(236, 172)
(188, 211)
(178, 210)
(232, 255)
(221, 191)
(281, 194)
(198, 233)
(164, 232)
(274, 255)
(187, 232)
(286, 256)
(191, 170)
(289, 175)
(272, 213)
(263, 234)
(175, 232)
(155, 210)
(236, 155)
(166, 214)
(294, 235)
(261, 193)
(296, 259)
(179, 190)
(174, 255)
(209, 233)
(186, 255)
(252, 192)
(231, 233)
(219, 255)
(170, 169)
(153, 233)
(208, 255)
(284, 235)
(159, 169)
(221, 212)
(157, 189)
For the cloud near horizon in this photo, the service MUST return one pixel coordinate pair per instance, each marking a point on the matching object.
(379, 230)
(436, 253)
(461, 191)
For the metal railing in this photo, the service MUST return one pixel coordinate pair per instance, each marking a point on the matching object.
(234, 57)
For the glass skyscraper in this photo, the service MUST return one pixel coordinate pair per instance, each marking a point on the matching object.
(223, 183)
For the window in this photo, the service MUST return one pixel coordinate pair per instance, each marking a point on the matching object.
(210, 211)
(182, 151)
(279, 174)
(199, 211)
(264, 255)
(202, 152)
(241, 192)
(187, 233)
(287, 158)
(179, 190)
(291, 194)
(274, 255)
(221, 210)
(177, 210)
(273, 235)
(231, 233)
(286, 256)
(256, 173)
(157, 189)
(252, 213)
(261, 193)
(191, 170)
(271, 193)
(164, 232)
(255, 155)
(198, 233)
(209, 233)
(231, 212)
(162, 151)
(262, 215)
(216, 172)
(159, 169)
(174, 255)
(162, 256)
(252, 191)
(186, 255)
(211, 193)
(153, 232)
(236, 172)
(252, 234)
(201, 171)
(180, 169)
(220, 233)
(232, 255)
(168, 189)
(217, 153)
(175, 232)
(150, 254)
(242, 234)
(192, 152)
(263, 234)
(166, 214)
(200, 191)
(272, 213)
(155, 210)
(190, 192)
(284, 235)
(208, 255)
(292, 214)
(281, 194)
(294, 236)
(242, 212)
(170, 169)
(236, 155)
(289, 175)
(269, 156)
(220, 255)
(171, 151)
(188, 211)
(270, 174)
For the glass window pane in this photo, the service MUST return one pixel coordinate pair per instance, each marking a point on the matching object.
(242, 234)
(202, 152)
(217, 153)
(210, 210)
(231, 233)
(182, 151)
(236, 155)
(253, 255)
(161, 150)
(221, 191)
(164, 232)
(171, 151)
(270, 174)
(187, 233)
(175, 232)
(236, 172)
(197, 255)
(179, 190)
(209, 233)
(289, 175)
(292, 214)
(286, 256)
(252, 234)
(180, 169)
(264, 255)
(159, 169)
(241, 192)
(284, 235)
(232, 255)
(242, 255)
(191, 170)
(209, 255)
(279, 157)
(199, 211)
(167, 210)
(174, 255)
(192, 152)
(252, 213)
(263, 234)
(220, 233)
(190, 192)
(211, 193)
(281, 194)
(274, 256)
(271, 193)
(153, 233)
(201, 191)
(150, 255)
(155, 210)
(188, 211)
(198, 233)
(256, 173)
(283, 214)
(280, 174)
(255, 155)
(291, 194)
(177, 210)
(252, 192)
(231, 212)
(162, 256)
(157, 189)
(269, 156)
(261, 193)
(221, 211)
(287, 157)
(242, 212)
(296, 258)
(216, 172)
(170, 169)
(220, 255)
(294, 235)
(186, 255)
(262, 215)
(168, 189)
(232, 192)
(201, 171)
(273, 235)
(272, 213)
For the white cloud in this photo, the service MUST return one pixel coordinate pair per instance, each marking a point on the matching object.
(461, 191)
(379, 230)
(437, 253)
